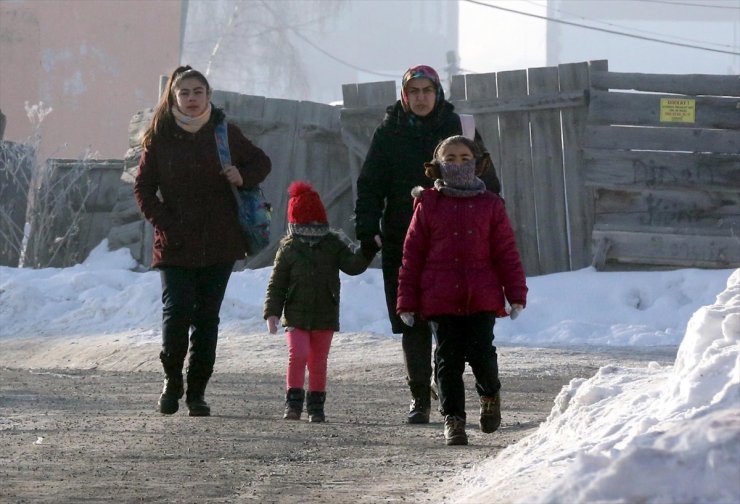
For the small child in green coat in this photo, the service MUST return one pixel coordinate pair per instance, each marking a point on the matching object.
(304, 290)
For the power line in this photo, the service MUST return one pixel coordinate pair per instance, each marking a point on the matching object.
(613, 32)
(703, 6)
(325, 53)
(331, 56)
(614, 25)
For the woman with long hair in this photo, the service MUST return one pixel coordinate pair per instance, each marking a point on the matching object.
(184, 192)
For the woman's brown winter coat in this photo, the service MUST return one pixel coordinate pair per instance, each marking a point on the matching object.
(304, 286)
(195, 214)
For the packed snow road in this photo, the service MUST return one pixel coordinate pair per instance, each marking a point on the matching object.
(71, 432)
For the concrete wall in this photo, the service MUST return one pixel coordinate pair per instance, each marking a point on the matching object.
(92, 62)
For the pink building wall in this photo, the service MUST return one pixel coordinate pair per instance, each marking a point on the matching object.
(94, 62)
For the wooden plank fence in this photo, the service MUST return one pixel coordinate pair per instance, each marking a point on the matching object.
(304, 143)
(662, 153)
(518, 114)
(16, 171)
(589, 171)
(532, 121)
(70, 212)
(592, 175)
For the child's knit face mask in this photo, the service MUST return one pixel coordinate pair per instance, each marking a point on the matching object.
(461, 175)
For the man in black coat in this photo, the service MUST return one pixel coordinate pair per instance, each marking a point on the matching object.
(394, 165)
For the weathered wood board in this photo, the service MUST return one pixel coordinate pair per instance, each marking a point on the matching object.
(665, 167)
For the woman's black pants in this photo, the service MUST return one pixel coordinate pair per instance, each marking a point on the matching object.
(416, 341)
(191, 298)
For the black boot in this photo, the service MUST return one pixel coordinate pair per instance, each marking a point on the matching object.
(315, 406)
(197, 405)
(194, 398)
(168, 403)
(420, 404)
(294, 403)
(172, 392)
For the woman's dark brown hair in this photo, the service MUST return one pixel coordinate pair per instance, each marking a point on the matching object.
(162, 119)
(482, 159)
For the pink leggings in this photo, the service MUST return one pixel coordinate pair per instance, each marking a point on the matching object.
(308, 348)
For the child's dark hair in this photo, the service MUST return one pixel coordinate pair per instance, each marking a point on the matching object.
(482, 159)
(162, 114)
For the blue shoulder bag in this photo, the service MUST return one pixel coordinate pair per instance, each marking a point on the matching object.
(255, 213)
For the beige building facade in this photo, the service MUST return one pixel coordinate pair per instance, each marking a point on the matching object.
(94, 63)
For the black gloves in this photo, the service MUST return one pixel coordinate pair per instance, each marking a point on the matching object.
(369, 248)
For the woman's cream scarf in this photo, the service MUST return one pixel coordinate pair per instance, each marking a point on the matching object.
(191, 124)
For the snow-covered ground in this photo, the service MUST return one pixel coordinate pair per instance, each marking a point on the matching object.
(661, 434)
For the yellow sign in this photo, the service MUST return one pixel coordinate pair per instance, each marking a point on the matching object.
(682, 110)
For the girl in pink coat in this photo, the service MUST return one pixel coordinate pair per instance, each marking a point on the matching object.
(460, 266)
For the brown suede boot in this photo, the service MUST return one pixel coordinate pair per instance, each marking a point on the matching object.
(455, 431)
(490, 413)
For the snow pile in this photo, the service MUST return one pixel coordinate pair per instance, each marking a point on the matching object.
(654, 435)
(103, 296)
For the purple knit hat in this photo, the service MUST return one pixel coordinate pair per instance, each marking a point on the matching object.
(416, 72)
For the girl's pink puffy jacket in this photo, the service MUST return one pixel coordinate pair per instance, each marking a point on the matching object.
(459, 257)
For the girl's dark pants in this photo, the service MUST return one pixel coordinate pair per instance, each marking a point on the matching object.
(192, 298)
(460, 339)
